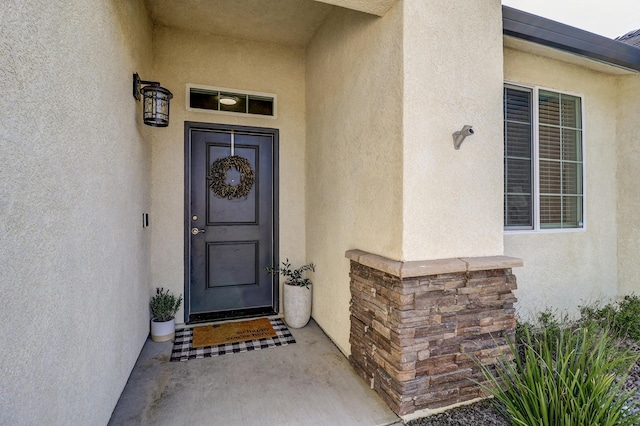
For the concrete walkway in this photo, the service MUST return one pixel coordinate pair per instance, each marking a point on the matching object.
(306, 383)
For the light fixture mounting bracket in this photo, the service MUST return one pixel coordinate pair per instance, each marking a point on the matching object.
(458, 136)
(137, 83)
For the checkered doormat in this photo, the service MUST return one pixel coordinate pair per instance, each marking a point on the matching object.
(182, 350)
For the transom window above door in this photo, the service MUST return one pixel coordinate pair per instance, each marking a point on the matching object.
(543, 160)
(219, 100)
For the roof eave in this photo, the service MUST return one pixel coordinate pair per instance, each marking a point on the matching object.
(526, 26)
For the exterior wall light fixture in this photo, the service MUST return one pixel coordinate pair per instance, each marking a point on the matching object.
(458, 137)
(155, 110)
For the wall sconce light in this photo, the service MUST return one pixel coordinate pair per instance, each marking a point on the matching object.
(155, 110)
(458, 137)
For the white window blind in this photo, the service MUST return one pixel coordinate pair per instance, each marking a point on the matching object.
(542, 160)
(518, 173)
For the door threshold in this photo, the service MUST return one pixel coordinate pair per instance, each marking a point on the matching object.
(230, 315)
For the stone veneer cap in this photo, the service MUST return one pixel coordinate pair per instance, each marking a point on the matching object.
(492, 262)
(420, 268)
(391, 267)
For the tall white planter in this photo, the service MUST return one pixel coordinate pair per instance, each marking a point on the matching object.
(297, 305)
(163, 331)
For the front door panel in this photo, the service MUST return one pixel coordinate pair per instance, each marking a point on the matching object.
(231, 241)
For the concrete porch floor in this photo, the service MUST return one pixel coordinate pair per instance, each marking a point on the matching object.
(306, 383)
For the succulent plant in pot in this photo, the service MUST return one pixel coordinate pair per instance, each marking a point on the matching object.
(297, 293)
(164, 307)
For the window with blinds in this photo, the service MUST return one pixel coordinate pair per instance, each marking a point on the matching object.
(543, 169)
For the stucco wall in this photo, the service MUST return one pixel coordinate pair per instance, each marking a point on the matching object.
(565, 269)
(452, 77)
(186, 57)
(628, 150)
(354, 153)
(74, 173)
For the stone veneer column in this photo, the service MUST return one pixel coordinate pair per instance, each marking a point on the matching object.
(416, 327)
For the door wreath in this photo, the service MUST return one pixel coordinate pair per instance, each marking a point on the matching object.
(218, 177)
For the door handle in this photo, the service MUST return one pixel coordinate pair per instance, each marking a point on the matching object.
(196, 231)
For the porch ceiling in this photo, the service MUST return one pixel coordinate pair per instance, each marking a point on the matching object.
(289, 22)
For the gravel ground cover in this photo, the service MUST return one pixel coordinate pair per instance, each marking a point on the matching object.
(478, 414)
(632, 384)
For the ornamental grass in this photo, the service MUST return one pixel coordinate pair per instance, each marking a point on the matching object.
(570, 376)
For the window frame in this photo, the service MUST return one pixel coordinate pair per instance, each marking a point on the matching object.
(535, 158)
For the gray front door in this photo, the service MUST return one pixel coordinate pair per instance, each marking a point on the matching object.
(230, 241)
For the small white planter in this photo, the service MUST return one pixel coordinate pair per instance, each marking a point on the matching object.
(297, 305)
(163, 331)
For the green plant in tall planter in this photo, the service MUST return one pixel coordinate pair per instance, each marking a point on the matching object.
(297, 293)
(164, 307)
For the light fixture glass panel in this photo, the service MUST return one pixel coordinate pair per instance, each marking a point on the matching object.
(156, 106)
